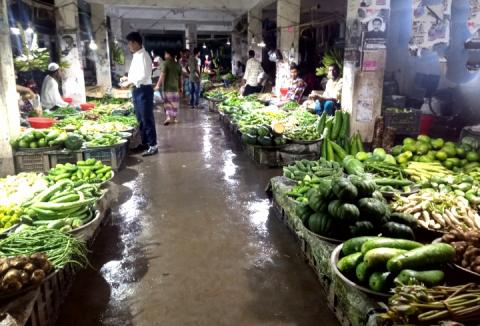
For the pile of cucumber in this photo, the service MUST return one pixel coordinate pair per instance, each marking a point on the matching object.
(381, 263)
(62, 206)
(89, 171)
(321, 169)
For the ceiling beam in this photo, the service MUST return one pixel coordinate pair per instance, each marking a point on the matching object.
(170, 14)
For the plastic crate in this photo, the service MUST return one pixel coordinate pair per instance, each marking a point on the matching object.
(64, 156)
(31, 161)
(405, 123)
(113, 155)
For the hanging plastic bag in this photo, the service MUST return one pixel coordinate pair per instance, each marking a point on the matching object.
(157, 97)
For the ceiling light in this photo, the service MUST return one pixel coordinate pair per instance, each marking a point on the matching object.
(115, 40)
(204, 45)
(15, 30)
(253, 40)
(228, 41)
(93, 46)
(262, 44)
(29, 30)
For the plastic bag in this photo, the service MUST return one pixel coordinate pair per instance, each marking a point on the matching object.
(157, 97)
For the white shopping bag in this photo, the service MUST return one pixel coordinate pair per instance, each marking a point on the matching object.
(157, 97)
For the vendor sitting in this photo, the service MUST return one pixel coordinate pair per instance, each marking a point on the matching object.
(50, 94)
(297, 85)
(329, 100)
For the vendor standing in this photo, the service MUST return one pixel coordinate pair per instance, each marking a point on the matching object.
(140, 78)
(50, 95)
(329, 100)
(252, 72)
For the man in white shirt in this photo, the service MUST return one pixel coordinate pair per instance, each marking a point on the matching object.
(252, 71)
(331, 97)
(50, 95)
(140, 78)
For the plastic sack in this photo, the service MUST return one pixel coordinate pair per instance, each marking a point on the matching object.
(157, 97)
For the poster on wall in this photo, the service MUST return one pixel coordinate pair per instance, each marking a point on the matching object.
(73, 84)
(473, 24)
(431, 24)
(367, 26)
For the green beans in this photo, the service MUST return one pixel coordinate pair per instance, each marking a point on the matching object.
(60, 248)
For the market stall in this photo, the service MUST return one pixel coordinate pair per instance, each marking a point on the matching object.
(389, 230)
(279, 135)
(47, 223)
(102, 129)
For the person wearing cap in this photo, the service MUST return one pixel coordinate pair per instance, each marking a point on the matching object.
(50, 94)
(140, 78)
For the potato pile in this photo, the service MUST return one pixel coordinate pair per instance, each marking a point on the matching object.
(467, 248)
(23, 271)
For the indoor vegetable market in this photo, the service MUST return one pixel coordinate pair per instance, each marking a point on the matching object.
(280, 162)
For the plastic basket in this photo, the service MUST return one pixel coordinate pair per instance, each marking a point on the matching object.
(64, 156)
(112, 156)
(405, 123)
(35, 161)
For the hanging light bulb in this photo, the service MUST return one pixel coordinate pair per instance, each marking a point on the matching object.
(115, 41)
(204, 45)
(262, 44)
(29, 30)
(228, 41)
(253, 40)
(15, 30)
(93, 46)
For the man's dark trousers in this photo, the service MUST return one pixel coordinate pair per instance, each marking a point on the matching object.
(143, 103)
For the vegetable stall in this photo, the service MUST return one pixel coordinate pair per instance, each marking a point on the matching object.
(103, 131)
(279, 135)
(51, 211)
(47, 223)
(392, 234)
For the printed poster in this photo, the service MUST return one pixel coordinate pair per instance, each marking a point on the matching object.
(431, 24)
(473, 24)
(367, 27)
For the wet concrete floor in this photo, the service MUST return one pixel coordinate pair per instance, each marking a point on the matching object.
(193, 241)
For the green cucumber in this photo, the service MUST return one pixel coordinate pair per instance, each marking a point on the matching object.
(379, 282)
(424, 257)
(47, 193)
(58, 224)
(362, 272)
(66, 199)
(355, 245)
(338, 150)
(390, 243)
(59, 207)
(376, 259)
(44, 214)
(428, 278)
(348, 264)
(337, 124)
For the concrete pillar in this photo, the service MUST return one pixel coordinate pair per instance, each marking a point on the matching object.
(288, 19)
(118, 40)
(363, 75)
(73, 82)
(190, 36)
(9, 114)
(235, 43)
(255, 31)
(126, 29)
(102, 54)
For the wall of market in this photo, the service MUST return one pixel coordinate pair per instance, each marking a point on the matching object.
(447, 62)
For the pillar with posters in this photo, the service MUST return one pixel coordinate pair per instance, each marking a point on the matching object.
(365, 56)
(73, 82)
